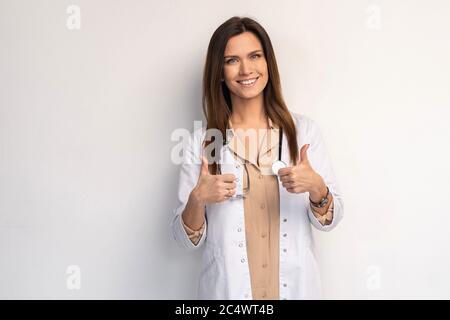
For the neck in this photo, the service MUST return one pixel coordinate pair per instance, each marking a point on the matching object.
(249, 112)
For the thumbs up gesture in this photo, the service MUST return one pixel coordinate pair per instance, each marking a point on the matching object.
(214, 188)
(302, 177)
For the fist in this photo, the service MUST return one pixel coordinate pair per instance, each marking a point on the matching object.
(301, 177)
(214, 188)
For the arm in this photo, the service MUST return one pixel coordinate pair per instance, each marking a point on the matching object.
(193, 218)
(321, 162)
(194, 212)
(188, 208)
(324, 214)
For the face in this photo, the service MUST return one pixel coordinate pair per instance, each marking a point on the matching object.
(245, 67)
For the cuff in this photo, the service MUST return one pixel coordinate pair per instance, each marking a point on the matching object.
(194, 235)
(323, 218)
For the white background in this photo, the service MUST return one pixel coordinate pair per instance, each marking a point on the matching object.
(86, 115)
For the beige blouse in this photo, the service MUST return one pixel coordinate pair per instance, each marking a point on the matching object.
(261, 211)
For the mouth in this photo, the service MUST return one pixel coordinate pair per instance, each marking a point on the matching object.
(248, 82)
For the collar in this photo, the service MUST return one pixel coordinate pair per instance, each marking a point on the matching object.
(269, 144)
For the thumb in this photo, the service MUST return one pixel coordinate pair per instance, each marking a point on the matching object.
(204, 169)
(303, 154)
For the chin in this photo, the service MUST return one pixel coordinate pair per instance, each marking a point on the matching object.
(248, 95)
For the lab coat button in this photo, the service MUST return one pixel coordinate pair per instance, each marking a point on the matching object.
(284, 285)
(240, 245)
(242, 260)
(285, 235)
(284, 250)
(239, 229)
(284, 220)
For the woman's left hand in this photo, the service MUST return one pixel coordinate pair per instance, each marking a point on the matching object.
(302, 178)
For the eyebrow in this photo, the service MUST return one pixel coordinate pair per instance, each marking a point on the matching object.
(248, 54)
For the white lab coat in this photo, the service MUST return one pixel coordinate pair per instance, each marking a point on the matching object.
(224, 271)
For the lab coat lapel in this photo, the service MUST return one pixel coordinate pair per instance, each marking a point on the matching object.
(286, 158)
(270, 142)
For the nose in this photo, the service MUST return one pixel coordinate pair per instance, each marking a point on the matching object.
(245, 68)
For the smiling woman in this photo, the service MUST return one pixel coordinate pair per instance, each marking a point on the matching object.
(253, 221)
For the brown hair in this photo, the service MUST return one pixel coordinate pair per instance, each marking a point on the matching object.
(216, 100)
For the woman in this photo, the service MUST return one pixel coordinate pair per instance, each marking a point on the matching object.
(252, 210)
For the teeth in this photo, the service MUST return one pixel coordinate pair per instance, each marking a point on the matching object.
(248, 81)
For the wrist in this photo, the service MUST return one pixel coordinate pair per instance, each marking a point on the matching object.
(319, 192)
(196, 198)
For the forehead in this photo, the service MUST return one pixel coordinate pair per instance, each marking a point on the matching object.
(242, 44)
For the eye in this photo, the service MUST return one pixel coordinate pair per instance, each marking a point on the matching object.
(256, 55)
(229, 60)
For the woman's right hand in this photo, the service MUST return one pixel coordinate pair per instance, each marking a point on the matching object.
(214, 188)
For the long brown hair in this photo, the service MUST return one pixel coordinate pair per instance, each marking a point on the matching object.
(216, 99)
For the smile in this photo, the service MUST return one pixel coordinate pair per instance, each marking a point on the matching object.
(248, 82)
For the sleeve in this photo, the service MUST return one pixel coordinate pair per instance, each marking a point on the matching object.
(188, 176)
(321, 163)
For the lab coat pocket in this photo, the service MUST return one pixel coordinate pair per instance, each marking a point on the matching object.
(208, 259)
(211, 281)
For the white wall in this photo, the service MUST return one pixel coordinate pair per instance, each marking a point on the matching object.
(86, 115)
